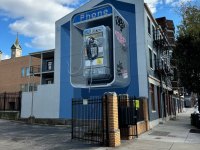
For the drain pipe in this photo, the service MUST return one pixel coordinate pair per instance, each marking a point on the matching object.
(162, 105)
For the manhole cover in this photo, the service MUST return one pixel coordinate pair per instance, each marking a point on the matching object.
(158, 138)
(159, 133)
(195, 131)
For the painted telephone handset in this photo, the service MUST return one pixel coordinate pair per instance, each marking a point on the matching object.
(92, 48)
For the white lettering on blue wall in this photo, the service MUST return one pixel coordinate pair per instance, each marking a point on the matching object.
(92, 14)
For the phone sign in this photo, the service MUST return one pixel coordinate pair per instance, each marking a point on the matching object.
(85, 101)
(92, 14)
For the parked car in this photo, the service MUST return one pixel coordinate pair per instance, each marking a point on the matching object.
(196, 108)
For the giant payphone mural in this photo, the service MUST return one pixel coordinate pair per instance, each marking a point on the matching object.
(99, 53)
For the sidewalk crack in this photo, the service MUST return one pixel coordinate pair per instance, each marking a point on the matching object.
(171, 146)
(186, 137)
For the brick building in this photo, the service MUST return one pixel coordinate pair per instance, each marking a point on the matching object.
(14, 72)
(168, 28)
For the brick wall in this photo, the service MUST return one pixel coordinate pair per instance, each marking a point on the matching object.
(111, 112)
(10, 73)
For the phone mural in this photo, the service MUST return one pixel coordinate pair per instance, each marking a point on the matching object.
(99, 49)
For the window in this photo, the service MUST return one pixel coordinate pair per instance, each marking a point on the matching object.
(32, 87)
(155, 59)
(149, 25)
(22, 72)
(150, 58)
(152, 92)
(153, 32)
(24, 87)
(49, 81)
(35, 86)
(27, 71)
(49, 65)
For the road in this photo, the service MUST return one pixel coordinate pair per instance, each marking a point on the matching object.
(172, 135)
(20, 136)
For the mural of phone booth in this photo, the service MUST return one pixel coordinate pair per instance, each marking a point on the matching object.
(99, 55)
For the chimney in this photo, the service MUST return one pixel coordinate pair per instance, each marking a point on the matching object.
(0, 55)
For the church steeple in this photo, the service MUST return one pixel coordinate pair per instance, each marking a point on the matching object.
(16, 50)
(17, 40)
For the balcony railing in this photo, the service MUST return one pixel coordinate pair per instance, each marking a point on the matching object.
(169, 71)
(163, 68)
(35, 69)
(159, 65)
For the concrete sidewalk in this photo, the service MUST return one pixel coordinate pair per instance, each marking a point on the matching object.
(172, 135)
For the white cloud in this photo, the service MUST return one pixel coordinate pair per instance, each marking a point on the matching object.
(36, 18)
(179, 2)
(5, 56)
(174, 3)
(152, 4)
(169, 1)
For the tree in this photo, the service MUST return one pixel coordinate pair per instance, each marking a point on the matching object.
(187, 50)
(187, 54)
(190, 20)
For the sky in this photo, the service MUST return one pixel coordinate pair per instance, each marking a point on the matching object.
(34, 20)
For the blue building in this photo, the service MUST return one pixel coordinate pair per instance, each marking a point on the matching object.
(149, 54)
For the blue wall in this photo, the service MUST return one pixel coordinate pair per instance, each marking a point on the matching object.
(67, 92)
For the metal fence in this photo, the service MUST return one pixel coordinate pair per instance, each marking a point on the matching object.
(88, 120)
(128, 114)
(10, 101)
(90, 117)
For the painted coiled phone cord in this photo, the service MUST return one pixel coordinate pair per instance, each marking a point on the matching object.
(91, 42)
(90, 75)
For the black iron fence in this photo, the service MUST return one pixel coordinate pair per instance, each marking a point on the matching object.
(10, 101)
(88, 120)
(130, 112)
(126, 111)
(90, 117)
(140, 111)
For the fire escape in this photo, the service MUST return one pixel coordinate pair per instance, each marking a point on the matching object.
(163, 64)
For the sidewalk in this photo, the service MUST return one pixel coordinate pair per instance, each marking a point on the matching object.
(172, 135)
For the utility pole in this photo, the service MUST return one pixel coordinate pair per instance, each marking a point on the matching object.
(31, 79)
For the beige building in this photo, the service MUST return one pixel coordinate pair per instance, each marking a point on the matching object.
(15, 72)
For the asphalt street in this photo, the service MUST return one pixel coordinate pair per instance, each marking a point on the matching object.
(20, 136)
(172, 135)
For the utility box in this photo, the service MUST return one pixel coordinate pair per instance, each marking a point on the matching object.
(99, 53)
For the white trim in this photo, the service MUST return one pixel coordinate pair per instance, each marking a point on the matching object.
(150, 47)
(154, 81)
